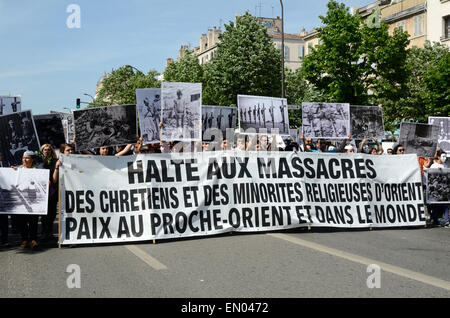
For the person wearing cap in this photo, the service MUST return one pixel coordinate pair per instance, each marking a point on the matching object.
(28, 224)
(349, 149)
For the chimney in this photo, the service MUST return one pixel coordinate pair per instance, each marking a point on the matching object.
(168, 61)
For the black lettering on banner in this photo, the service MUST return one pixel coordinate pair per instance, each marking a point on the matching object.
(189, 192)
(190, 170)
(165, 170)
(320, 214)
(213, 169)
(71, 225)
(167, 223)
(322, 169)
(234, 218)
(83, 230)
(301, 216)
(243, 168)
(123, 228)
(191, 221)
(347, 168)
(283, 169)
(334, 174)
(105, 227)
(139, 171)
(79, 201)
(141, 225)
(371, 174)
(152, 172)
(124, 204)
(134, 199)
(310, 171)
(266, 170)
(181, 222)
(360, 168)
(155, 222)
(247, 214)
(297, 165)
(229, 170)
(104, 207)
(70, 201)
(217, 219)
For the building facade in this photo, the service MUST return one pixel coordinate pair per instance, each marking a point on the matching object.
(438, 21)
(294, 43)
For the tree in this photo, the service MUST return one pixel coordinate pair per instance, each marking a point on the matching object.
(357, 63)
(186, 69)
(119, 86)
(247, 62)
(426, 85)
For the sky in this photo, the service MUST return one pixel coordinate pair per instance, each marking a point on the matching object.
(51, 65)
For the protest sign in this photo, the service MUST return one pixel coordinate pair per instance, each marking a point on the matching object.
(105, 126)
(24, 191)
(50, 129)
(149, 110)
(181, 111)
(263, 114)
(18, 135)
(366, 121)
(215, 122)
(438, 186)
(420, 139)
(443, 133)
(162, 196)
(326, 120)
(10, 104)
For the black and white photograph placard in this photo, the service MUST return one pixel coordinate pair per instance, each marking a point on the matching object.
(293, 132)
(420, 139)
(263, 114)
(50, 130)
(149, 109)
(326, 120)
(105, 126)
(366, 121)
(24, 191)
(215, 119)
(10, 104)
(444, 131)
(438, 186)
(181, 111)
(68, 125)
(18, 135)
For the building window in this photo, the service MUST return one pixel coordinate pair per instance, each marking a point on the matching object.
(418, 25)
(401, 25)
(286, 53)
(301, 51)
(447, 27)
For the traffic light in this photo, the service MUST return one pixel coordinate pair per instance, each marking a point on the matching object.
(78, 103)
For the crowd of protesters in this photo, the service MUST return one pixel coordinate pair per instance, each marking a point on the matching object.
(46, 158)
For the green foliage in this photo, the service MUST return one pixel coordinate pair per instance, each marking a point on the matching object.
(119, 87)
(247, 62)
(357, 64)
(187, 69)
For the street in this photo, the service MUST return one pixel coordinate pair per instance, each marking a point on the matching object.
(320, 263)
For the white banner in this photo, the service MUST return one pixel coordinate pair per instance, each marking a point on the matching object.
(162, 196)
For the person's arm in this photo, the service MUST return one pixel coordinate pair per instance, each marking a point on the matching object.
(55, 176)
(361, 145)
(379, 146)
(124, 151)
(138, 146)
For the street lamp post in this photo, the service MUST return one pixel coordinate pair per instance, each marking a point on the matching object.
(93, 99)
(283, 93)
(137, 70)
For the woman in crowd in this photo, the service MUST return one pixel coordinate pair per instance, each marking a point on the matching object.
(372, 150)
(48, 161)
(28, 223)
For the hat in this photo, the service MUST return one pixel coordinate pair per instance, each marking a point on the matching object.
(348, 147)
(29, 153)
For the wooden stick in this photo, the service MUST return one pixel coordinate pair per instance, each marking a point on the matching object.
(59, 213)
